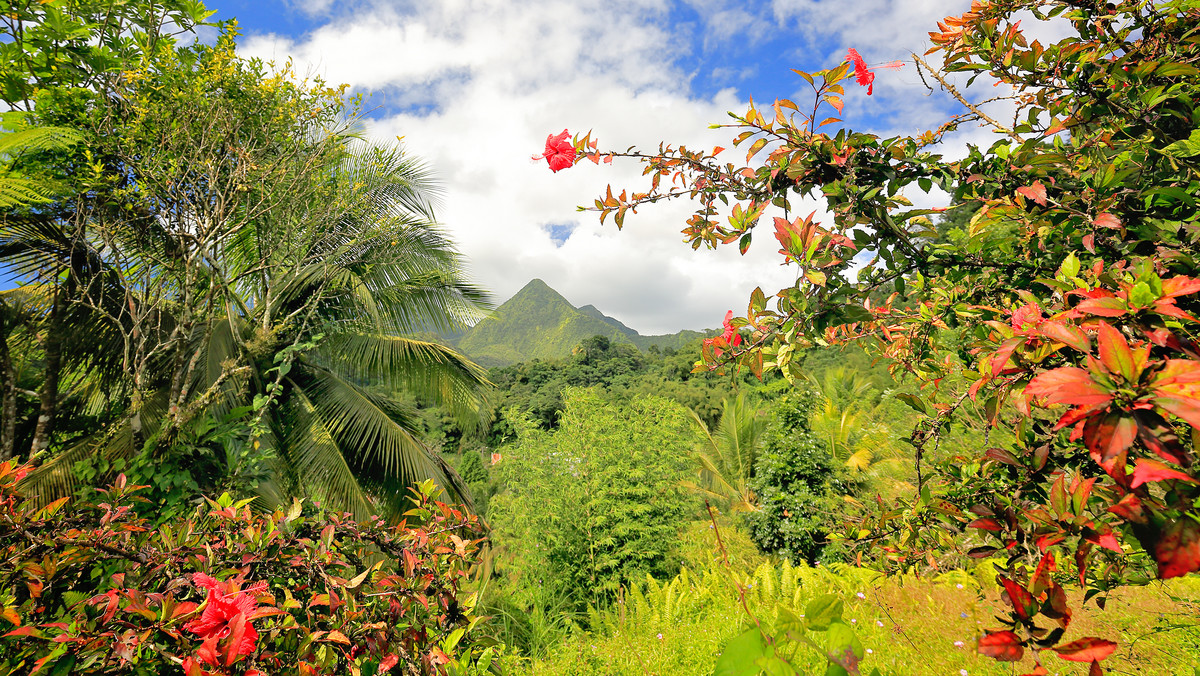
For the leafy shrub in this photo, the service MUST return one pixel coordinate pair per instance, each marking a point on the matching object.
(93, 588)
(597, 503)
(796, 484)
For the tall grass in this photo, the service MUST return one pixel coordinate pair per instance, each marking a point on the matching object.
(910, 626)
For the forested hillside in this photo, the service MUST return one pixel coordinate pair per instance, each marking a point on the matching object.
(538, 323)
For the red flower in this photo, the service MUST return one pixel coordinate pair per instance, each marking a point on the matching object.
(228, 611)
(863, 74)
(560, 153)
(731, 336)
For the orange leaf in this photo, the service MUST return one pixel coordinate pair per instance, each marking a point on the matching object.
(1107, 220)
(1088, 649)
(1068, 385)
(1153, 470)
(1003, 646)
(1035, 192)
(1108, 438)
(1103, 307)
(1066, 334)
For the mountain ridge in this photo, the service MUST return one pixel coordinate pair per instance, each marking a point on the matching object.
(540, 323)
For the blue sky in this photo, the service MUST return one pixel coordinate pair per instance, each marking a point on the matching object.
(475, 86)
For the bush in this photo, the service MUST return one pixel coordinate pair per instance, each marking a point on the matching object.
(597, 503)
(93, 588)
(796, 484)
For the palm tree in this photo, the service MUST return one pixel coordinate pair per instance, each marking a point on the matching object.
(727, 454)
(301, 340)
(847, 418)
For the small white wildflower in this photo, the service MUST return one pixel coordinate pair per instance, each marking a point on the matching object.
(853, 621)
(861, 595)
(878, 623)
(870, 652)
(660, 637)
(958, 586)
(963, 672)
(958, 644)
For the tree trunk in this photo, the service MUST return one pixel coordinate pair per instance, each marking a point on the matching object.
(8, 415)
(48, 396)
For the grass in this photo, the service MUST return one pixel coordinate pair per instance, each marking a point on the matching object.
(912, 627)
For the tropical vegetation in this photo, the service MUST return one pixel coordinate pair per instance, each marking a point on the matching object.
(241, 431)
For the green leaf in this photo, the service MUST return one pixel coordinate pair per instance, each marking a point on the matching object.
(741, 653)
(914, 402)
(1070, 266)
(845, 650)
(822, 611)
(1186, 148)
(1141, 295)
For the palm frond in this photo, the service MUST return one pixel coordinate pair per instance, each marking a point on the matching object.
(430, 370)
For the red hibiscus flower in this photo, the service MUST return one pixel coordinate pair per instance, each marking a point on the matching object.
(731, 336)
(560, 154)
(862, 74)
(226, 619)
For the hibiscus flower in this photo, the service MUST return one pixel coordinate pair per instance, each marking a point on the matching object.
(731, 336)
(227, 614)
(862, 74)
(559, 154)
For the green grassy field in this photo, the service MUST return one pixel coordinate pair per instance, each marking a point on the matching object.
(910, 626)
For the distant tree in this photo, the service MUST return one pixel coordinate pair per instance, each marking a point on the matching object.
(796, 483)
(597, 503)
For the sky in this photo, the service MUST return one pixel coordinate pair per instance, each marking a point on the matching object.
(475, 86)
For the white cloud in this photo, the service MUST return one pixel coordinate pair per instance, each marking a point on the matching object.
(492, 78)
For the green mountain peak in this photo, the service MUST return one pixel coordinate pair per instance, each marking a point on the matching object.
(539, 323)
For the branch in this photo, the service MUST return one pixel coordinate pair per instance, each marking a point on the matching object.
(959, 97)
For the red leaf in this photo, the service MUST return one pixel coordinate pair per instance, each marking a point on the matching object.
(1068, 385)
(1066, 334)
(1160, 437)
(1001, 356)
(1035, 192)
(387, 664)
(1001, 455)
(1130, 509)
(1103, 307)
(1088, 649)
(1114, 352)
(1041, 575)
(1022, 601)
(1180, 286)
(1038, 670)
(1003, 646)
(987, 524)
(1153, 470)
(1056, 607)
(1108, 438)
(1089, 242)
(1187, 408)
(1095, 669)
(1178, 549)
(1107, 220)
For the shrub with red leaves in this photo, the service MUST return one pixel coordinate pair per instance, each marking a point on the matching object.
(94, 589)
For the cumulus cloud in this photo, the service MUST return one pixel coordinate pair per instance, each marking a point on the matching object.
(474, 87)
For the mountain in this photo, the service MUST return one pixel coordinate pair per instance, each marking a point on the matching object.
(538, 323)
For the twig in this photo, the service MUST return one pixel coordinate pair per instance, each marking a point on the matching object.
(959, 97)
